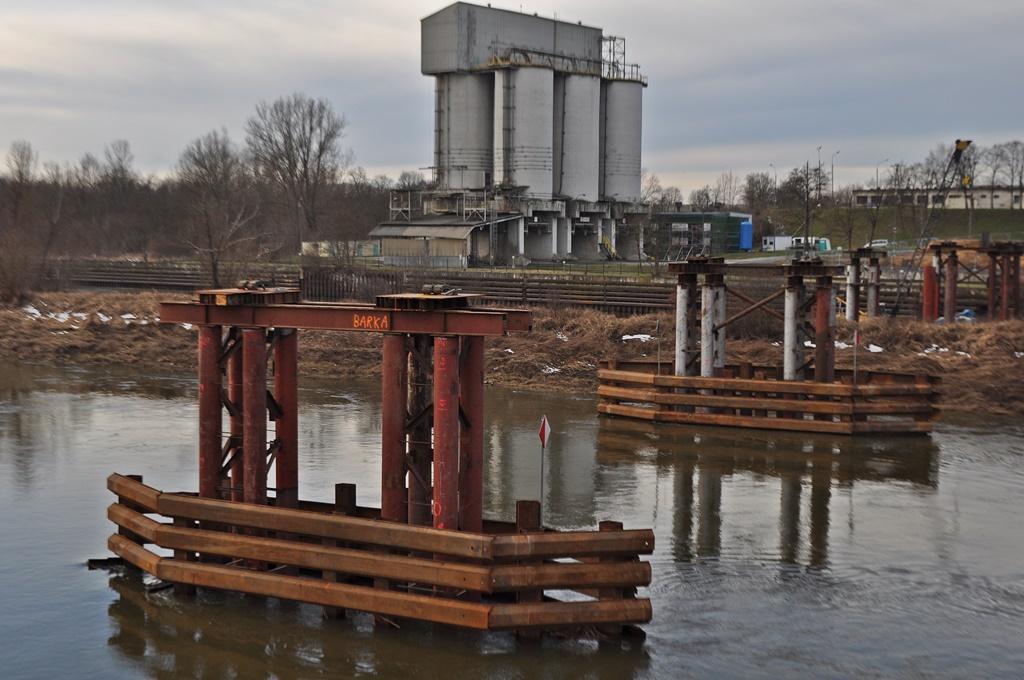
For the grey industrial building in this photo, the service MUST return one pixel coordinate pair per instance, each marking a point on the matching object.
(537, 132)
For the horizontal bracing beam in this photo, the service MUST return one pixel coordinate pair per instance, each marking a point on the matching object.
(354, 317)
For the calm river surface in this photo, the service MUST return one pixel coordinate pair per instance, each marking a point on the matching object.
(777, 555)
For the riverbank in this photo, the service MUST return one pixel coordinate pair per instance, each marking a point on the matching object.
(982, 365)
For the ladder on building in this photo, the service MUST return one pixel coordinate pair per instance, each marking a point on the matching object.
(608, 250)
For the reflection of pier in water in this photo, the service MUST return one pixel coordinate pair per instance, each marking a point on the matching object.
(796, 460)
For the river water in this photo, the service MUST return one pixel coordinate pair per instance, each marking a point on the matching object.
(777, 554)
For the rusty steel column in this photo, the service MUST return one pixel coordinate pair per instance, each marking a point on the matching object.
(1015, 285)
(394, 414)
(949, 302)
(1004, 293)
(286, 393)
(254, 418)
(792, 350)
(824, 353)
(420, 414)
(853, 288)
(209, 411)
(445, 507)
(874, 283)
(235, 396)
(990, 286)
(471, 440)
(929, 290)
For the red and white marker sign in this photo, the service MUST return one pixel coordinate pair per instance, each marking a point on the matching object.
(544, 432)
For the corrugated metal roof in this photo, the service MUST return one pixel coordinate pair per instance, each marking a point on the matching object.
(408, 230)
(435, 226)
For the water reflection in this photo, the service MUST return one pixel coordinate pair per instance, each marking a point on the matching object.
(712, 456)
(214, 636)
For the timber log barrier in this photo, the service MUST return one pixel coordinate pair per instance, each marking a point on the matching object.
(487, 581)
(757, 397)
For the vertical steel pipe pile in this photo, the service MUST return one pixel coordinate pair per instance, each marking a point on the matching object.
(446, 433)
(471, 441)
(990, 285)
(235, 396)
(874, 283)
(792, 356)
(420, 362)
(286, 393)
(254, 418)
(686, 340)
(853, 288)
(929, 293)
(1004, 293)
(721, 313)
(824, 353)
(394, 414)
(708, 312)
(949, 302)
(209, 411)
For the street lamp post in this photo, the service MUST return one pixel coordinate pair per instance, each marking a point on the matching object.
(877, 185)
(817, 179)
(775, 184)
(834, 154)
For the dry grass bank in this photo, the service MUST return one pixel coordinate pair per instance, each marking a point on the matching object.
(982, 365)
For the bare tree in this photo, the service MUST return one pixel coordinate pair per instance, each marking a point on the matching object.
(758, 191)
(21, 166)
(994, 160)
(1015, 169)
(727, 188)
(700, 199)
(295, 143)
(222, 201)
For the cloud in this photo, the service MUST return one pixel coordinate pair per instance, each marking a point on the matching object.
(733, 85)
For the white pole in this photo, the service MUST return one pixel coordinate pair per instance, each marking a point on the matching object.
(791, 353)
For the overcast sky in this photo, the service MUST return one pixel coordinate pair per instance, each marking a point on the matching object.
(733, 85)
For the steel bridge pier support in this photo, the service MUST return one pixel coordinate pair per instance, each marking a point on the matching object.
(824, 340)
(929, 293)
(853, 289)
(708, 310)
(686, 336)
(1004, 293)
(234, 371)
(209, 411)
(254, 418)
(394, 416)
(792, 356)
(446, 433)
(471, 440)
(420, 455)
(286, 393)
(874, 282)
(949, 302)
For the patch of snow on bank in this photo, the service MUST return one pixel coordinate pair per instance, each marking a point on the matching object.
(548, 370)
(642, 337)
(875, 349)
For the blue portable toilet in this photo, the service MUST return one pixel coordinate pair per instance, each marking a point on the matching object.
(746, 235)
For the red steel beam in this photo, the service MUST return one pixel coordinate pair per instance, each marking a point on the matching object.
(254, 398)
(394, 413)
(446, 433)
(286, 393)
(235, 395)
(209, 411)
(349, 318)
(471, 439)
(1015, 285)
